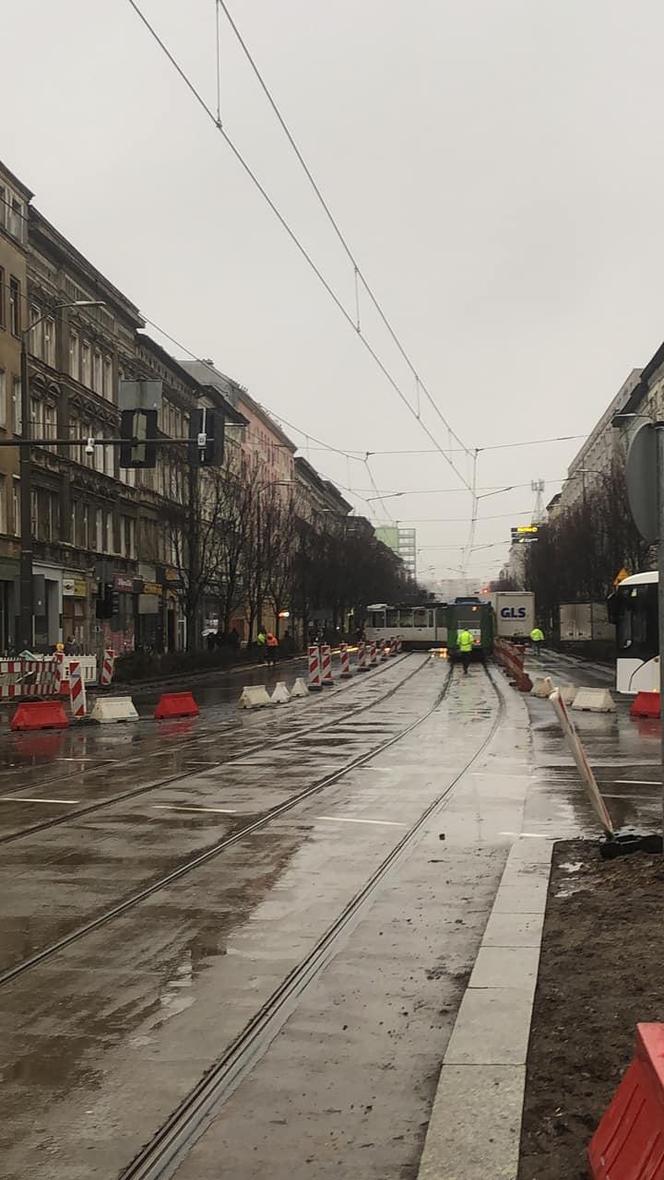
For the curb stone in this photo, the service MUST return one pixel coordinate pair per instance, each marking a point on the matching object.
(475, 1126)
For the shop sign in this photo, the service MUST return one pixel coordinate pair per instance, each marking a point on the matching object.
(124, 584)
(151, 588)
(74, 588)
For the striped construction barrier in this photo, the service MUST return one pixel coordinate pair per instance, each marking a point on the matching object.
(107, 668)
(77, 699)
(361, 664)
(384, 650)
(373, 659)
(344, 655)
(315, 683)
(326, 677)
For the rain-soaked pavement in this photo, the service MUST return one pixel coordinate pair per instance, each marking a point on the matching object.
(350, 846)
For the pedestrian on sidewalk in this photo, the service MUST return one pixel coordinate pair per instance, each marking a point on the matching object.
(537, 639)
(271, 649)
(261, 641)
(465, 645)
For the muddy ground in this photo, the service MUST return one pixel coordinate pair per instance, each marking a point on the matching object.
(600, 973)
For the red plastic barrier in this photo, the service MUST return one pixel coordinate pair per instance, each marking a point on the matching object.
(39, 715)
(645, 704)
(176, 704)
(629, 1142)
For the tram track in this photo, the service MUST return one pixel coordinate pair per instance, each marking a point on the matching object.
(102, 761)
(256, 746)
(161, 1156)
(258, 823)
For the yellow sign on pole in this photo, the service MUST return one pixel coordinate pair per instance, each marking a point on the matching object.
(620, 576)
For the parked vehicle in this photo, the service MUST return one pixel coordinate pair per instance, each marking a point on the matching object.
(633, 609)
(515, 613)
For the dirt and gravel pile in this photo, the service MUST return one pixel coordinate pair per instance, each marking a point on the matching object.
(601, 972)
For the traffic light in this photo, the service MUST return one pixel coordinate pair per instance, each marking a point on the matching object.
(206, 438)
(108, 601)
(135, 427)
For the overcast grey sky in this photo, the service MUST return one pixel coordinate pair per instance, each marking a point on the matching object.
(496, 168)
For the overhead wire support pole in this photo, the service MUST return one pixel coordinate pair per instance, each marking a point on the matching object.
(218, 30)
(296, 241)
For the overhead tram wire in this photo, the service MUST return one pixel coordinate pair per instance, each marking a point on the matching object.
(294, 238)
(357, 270)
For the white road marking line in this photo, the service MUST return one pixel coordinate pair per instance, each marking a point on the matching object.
(192, 807)
(636, 782)
(530, 835)
(342, 819)
(15, 799)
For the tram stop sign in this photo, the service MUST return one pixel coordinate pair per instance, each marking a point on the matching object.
(643, 481)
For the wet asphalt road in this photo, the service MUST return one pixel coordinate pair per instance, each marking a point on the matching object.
(105, 1036)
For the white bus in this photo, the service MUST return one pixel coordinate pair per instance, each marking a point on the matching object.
(633, 609)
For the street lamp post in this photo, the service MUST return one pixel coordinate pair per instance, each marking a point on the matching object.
(26, 625)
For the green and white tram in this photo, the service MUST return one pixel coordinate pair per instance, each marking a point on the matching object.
(417, 626)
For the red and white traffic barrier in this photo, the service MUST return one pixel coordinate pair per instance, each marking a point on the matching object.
(372, 655)
(315, 683)
(42, 676)
(393, 647)
(510, 656)
(345, 662)
(326, 665)
(77, 698)
(362, 656)
(107, 668)
(384, 650)
(398, 643)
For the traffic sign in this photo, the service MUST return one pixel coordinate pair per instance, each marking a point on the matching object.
(643, 483)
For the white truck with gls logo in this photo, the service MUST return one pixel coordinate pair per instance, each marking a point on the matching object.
(515, 613)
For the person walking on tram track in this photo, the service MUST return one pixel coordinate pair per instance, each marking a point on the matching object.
(537, 639)
(465, 644)
(271, 649)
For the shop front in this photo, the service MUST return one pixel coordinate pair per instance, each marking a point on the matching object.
(76, 622)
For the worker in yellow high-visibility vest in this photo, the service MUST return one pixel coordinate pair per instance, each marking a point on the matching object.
(537, 639)
(465, 643)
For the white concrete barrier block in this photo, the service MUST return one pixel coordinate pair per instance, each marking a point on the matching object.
(253, 696)
(299, 689)
(594, 700)
(542, 688)
(110, 709)
(568, 693)
(281, 695)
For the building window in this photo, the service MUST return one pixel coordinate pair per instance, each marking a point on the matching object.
(34, 514)
(107, 536)
(3, 205)
(85, 362)
(3, 504)
(17, 414)
(50, 422)
(37, 417)
(2, 290)
(109, 460)
(84, 526)
(97, 377)
(108, 379)
(128, 539)
(35, 330)
(16, 506)
(74, 358)
(49, 341)
(15, 218)
(52, 510)
(14, 306)
(3, 401)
